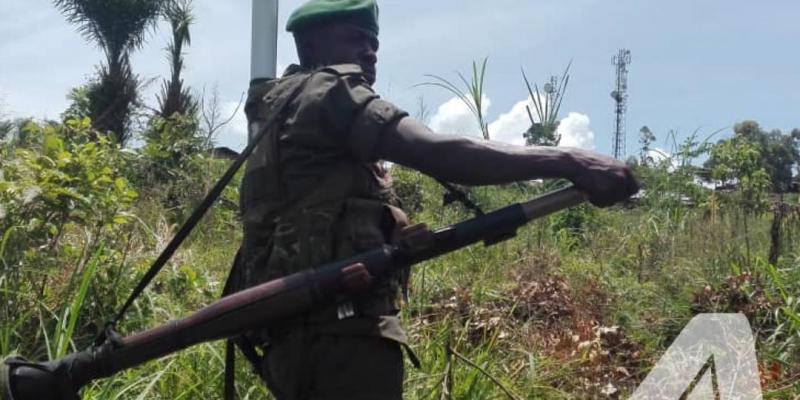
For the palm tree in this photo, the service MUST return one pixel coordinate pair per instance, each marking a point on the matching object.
(118, 27)
(174, 97)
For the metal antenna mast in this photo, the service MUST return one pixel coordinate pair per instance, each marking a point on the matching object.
(620, 96)
(264, 51)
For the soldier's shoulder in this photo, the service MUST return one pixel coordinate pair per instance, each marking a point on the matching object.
(336, 84)
(344, 70)
(352, 74)
(264, 95)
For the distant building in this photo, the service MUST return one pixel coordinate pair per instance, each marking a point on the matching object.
(224, 153)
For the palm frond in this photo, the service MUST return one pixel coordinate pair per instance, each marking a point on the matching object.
(174, 96)
(471, 94)
(180, 16)
(534, 97)
(117, 26)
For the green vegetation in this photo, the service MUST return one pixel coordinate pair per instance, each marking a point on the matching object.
(578, 305)
(543, 130)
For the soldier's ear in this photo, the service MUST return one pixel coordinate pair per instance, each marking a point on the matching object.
(307, 52)
(300, 44)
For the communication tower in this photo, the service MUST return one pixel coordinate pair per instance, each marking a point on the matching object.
(620, 96)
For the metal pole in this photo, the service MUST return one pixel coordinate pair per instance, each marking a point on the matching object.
(264, 52)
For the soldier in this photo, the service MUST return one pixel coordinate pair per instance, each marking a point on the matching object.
(314, 192)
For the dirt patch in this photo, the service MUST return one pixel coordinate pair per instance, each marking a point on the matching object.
(744, 293)
(541, 312)
(747, 294)
(569, 325)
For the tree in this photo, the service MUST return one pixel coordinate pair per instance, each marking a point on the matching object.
(211, 117)
(118, 27)
(5, 125)
(5, 129)
(738, 161)
(646, 138)
(779, 153)
(79, 104)
(175, 97)
(796, 139)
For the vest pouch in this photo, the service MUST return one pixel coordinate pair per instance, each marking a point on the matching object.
(256, 251)
(302, 239)
(283, 252)
(365, 225)
(361, 226)
(316, 229)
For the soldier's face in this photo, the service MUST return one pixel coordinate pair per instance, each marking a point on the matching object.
(342, 43)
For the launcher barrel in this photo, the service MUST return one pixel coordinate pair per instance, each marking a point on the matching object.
(267, 304)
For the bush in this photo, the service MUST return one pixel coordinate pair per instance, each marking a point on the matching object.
(64, 174)
(172, 162)
(63, 198)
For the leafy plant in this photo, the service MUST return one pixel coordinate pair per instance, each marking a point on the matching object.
(543, 129)
(575, 222)
(471, 94)
(63, 176)
(175, 161)
(63, 198)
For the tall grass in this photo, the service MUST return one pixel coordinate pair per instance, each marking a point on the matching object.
(65, 329)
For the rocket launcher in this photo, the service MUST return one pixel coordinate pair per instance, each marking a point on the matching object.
(269, 303)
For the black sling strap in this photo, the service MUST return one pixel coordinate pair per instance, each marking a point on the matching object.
(244, 344)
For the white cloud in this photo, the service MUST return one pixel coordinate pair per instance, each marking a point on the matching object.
(575, 131)
(658, 155)
(662, 157)
(454, 117)
(510, 126)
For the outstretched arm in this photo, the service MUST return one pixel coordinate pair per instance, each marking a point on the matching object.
(478, 162)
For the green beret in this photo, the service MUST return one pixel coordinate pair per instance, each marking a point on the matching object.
(361, 13)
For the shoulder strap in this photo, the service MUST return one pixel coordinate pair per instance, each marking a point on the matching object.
(200, 211)
(345, 69)
(245, 346)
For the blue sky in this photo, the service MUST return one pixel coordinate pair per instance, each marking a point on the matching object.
(702, 64)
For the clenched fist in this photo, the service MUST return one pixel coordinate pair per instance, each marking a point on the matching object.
(604, 180)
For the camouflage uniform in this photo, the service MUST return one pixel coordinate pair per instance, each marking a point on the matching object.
(314, 192)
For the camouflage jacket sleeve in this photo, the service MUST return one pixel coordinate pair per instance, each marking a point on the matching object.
(357, 115)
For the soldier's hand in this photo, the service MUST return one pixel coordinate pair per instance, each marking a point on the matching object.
(604, 180)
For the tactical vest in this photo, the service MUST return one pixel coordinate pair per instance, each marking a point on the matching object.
(305, 200)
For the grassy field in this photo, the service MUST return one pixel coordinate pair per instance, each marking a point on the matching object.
(580, 304)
